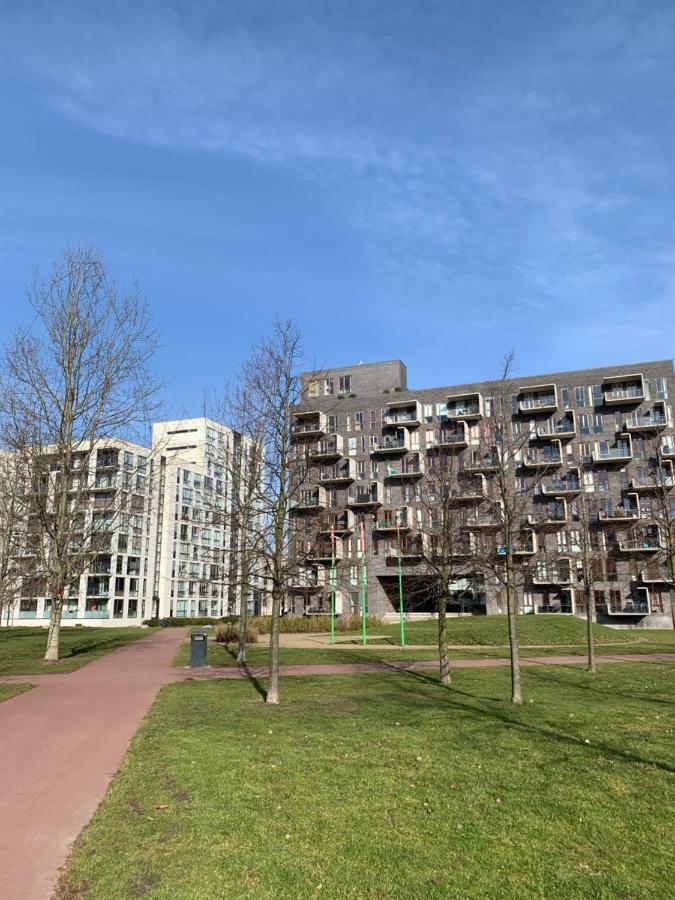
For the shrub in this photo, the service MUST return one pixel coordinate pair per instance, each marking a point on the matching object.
(312, 624)
(228, 633)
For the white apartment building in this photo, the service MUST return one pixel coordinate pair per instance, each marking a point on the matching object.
(163, 531)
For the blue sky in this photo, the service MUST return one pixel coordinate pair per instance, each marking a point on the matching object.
(434, 181)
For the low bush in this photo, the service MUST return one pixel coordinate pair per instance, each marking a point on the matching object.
(312, 624)
(263, 624)
(228, 633)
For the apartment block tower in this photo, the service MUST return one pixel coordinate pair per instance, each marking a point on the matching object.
(162, 542)
(603, 437)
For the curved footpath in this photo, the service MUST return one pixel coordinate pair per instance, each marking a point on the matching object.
(61, 744)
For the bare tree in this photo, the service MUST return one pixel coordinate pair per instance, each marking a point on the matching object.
(14, 560)
(76, 376)
(451, 508)
(655, 481)
(271, 385)
(513, 468)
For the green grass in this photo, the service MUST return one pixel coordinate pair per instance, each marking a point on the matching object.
(218, 655)
(7, 691)
(549, 629)
(22, 649)
(558, 631)
(389, 785)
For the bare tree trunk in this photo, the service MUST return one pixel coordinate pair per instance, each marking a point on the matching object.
(444, 667)
(243, 612)
(590, 609)
(273, 681)
(54, 632)
(516, 693)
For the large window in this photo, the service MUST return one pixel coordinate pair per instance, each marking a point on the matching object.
(345, 384)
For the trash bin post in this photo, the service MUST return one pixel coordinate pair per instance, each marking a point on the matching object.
(198, 648)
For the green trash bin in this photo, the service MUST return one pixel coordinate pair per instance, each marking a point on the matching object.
(198, 648)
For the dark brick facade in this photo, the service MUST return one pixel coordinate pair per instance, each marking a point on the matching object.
(615, 413)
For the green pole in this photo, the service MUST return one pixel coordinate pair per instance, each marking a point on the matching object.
(400, 588)
(363, 584)
(332, 587)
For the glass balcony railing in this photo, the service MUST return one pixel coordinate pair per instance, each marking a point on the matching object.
(628, 393)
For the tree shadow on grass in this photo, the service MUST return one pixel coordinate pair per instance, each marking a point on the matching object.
(547, 674)
(509, 716)
(250, 675)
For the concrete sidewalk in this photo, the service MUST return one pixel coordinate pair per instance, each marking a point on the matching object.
(60, 745)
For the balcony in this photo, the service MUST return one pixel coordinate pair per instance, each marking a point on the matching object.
(621, 452)
(488, 521)
(562, 485)
(468, 490)
(668, 448)
(646, 544)
(408, 549)
(363, 497)
(392, 444)
(553, 513)
(407, 413)
(325, 552)
(556, 603)
(483, 462)
(465, 406)
(544, 458)
(343, 472)
(653, 573)
(527, 548)
(662, 479)
(637, 604)
(559, 572)
(628, 511)
(538, 398)
(309, 501)
(563, 428)
(450, 438)
(330, 448)
(408, 468)
(400, 519)
(340, 523)
(309, 424)
(104, 483)
(623, 389)
(647, 423)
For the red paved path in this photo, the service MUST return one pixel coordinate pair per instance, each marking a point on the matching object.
(61, 744)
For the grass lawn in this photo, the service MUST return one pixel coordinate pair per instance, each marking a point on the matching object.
(389, 785)
(548, 629)
(478, 633)
(11, 690)
(22, 649)
(219, 655)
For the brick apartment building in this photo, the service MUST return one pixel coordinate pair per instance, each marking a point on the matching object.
(365, 440)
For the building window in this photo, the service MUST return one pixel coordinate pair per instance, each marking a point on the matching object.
(373, 419)
(428, 412)
(661, 389)
(596, 393)
(358, 421)
(345, 384)
(598, 426)
(313, 389)
(579, 397)
(328, 387)
(565, 398)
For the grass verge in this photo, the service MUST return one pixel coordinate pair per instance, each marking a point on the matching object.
(22, 649)
(7, 691)
(389, 785)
